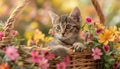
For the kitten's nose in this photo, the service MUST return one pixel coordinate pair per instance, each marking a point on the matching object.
(63, 33)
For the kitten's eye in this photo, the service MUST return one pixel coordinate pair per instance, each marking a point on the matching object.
(58, 27)
(68, 26)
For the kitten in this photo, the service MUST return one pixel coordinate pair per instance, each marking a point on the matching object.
(66, 28)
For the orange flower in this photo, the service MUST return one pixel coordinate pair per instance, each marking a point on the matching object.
(118, 57)
(113, 30)
(99, 26)
(117, 45)
(4, 66)
(38, 35)
(117, 38)
(106, 36)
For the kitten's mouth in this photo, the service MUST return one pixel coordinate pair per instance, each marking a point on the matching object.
(63, 37)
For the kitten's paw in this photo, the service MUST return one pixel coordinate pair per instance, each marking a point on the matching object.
(79, 47)
(60, 51)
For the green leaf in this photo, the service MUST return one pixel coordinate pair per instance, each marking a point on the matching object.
(106, 57)
(32, 65)
(109, 53)
(107, 66)
(110, 61)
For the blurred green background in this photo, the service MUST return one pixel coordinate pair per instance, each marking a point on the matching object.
(35, 15)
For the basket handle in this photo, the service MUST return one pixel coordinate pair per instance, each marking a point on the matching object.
(11, 20)
(99, 11)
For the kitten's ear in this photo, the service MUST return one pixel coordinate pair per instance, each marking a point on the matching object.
(75, 14)
(53, 16)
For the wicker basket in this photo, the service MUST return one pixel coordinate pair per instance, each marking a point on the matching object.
(5, 41)
(79, 60)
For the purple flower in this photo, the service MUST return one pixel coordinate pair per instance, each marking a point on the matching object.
(89, 20)
(106, 48)
(116, 65)
(98, 31)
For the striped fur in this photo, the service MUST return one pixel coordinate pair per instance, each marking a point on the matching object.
(66, 29)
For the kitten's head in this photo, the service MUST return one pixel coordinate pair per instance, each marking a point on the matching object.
(66, 26)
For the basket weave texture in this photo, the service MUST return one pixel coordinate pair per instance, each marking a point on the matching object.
(80, 60)
(5, 41)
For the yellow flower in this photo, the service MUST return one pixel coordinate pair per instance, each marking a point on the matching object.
(34, 25)
(117, 45)
(99, 25)
(117, 48)
(28, 34)
(119, 58)
(38, 35)
(106, 36)
(47, 39)
(117, 38)
(113, 30)
(30, 42)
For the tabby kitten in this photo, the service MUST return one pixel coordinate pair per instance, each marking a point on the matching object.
(66, 28)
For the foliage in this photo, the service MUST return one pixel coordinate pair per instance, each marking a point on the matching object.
(102, 40)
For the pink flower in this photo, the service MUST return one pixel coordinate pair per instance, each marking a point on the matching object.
(88, 41)
(11, 53)
(106, 48)
(116, 65)
(13, 33)
(61, 65)
(66, 60)
(96, 53)
(35, 57)
(48, 55)
(1, 35)
(89, 20)
(90, 36)
(39, 59)
(98, 31)
(43, 63)
(82, 35)
(31, 42)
